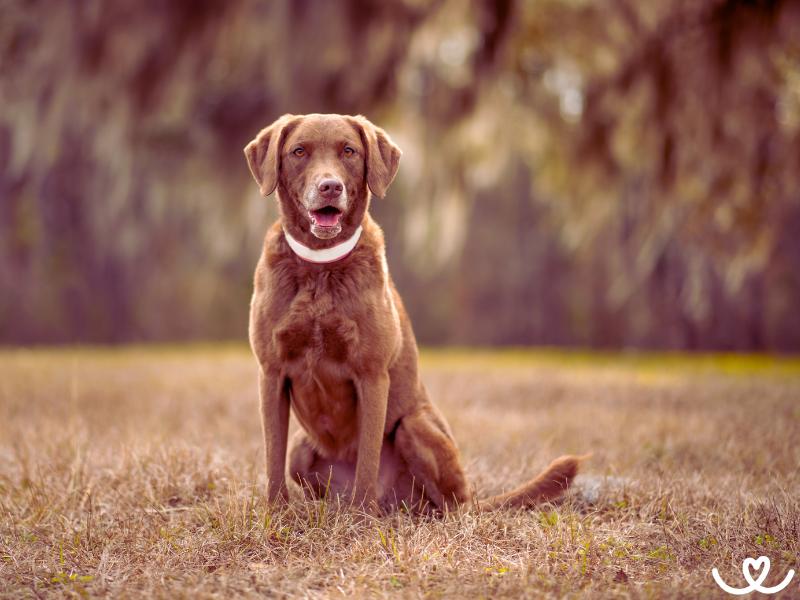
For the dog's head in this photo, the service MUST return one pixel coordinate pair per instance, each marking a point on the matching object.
(324, 167)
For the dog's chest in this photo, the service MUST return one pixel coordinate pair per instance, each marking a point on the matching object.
(318, 344)
(312, 331)
(325, 404)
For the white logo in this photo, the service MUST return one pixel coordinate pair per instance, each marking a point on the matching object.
(758, 564)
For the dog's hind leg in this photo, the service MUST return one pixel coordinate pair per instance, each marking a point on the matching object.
(425, 443)
(319, 477)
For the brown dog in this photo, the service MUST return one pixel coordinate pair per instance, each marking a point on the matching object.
(333, 339)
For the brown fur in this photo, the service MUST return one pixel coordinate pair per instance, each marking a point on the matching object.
(334, 342)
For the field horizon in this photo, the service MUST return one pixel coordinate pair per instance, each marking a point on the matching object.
(137, 471)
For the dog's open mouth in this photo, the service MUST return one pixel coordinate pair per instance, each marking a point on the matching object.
(326, 217)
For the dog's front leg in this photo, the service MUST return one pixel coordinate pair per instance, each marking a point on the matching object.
(373, 398)
(275, 423)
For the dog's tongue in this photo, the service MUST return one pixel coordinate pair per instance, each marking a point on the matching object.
(327, 217)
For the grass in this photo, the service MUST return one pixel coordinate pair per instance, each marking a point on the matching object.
(137, 472)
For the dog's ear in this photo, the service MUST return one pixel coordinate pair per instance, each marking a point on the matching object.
(383, 156)
(264, 154)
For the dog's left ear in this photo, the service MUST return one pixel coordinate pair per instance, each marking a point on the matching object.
(383, 156)
(264, 154)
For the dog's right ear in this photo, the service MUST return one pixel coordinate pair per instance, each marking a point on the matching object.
(264, 154)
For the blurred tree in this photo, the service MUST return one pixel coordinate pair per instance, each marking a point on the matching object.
(666, 137)
(124, 212)
(613, 173)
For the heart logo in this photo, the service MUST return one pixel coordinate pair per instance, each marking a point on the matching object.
(760, 565)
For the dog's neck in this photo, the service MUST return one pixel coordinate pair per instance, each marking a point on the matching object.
(326, 255)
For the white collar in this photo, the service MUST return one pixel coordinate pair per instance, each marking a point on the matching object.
(326, 255)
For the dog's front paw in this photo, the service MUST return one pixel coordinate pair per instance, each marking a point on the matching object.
(277, 495)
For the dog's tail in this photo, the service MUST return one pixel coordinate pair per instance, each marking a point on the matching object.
(548, 485)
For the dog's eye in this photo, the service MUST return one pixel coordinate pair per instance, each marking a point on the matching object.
(299, 151)
(348, 151)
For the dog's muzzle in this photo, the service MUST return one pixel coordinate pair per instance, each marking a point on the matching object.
(327, 202)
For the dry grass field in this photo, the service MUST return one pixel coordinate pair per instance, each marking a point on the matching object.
(137, 472)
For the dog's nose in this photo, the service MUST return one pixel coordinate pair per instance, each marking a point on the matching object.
(330, 189)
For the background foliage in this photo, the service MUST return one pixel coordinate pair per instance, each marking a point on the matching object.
(607, 173)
